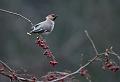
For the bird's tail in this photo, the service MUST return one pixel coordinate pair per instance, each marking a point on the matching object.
(29, 33)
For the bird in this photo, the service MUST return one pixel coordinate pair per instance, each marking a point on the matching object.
(44, 27)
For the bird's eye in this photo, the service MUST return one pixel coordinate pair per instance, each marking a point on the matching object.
(53, 15)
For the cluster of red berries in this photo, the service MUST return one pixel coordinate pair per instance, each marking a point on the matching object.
(51, 77)
(84, 72)
(43, 44)
(54, 75)
(109, 64)
(33, 79)
(14, 76)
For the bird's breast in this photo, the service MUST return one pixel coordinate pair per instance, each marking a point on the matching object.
(50, 25)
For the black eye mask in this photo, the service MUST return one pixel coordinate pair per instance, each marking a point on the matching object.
(54, 18)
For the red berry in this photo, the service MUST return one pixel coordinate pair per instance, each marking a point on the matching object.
(37, 42)
(34, 79)
(115, 68)
(42, 42)
(108, 65)
(45, 46)
(48, 53)
(53, 63)
(83, 72)
(51, 77)
(41, 45)
(14, 77)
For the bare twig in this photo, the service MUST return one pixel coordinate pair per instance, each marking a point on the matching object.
(115, 54)
(3, 10)
(77, 71)
(6, 66)
(95, 49)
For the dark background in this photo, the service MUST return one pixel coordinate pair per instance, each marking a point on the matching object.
(101, 18)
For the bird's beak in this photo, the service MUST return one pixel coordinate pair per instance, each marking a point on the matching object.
(55, 17)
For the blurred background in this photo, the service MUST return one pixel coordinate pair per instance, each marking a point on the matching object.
(101, 18)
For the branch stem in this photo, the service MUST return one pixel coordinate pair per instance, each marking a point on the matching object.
(6, 11)
(95, 49)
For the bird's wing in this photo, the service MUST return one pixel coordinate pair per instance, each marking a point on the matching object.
(39, 28)
(36, 25)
